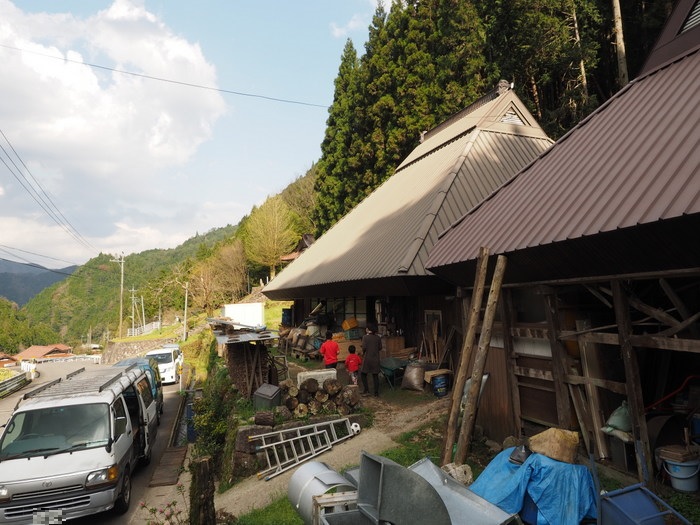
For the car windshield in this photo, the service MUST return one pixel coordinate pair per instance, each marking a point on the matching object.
(55, 430)
(165, 357)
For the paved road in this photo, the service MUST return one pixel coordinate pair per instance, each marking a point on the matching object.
(142, 475)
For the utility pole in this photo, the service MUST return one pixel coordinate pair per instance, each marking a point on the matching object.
(143, 314)
(133, 305)
(184, 327)
(121, 292)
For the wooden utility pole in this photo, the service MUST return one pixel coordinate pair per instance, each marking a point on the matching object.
(469, 416)
(465, 355)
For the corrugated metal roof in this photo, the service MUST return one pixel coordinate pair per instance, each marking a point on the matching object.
(635, 161)
(390, 233)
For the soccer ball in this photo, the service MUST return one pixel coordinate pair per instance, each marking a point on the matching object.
(355, 427)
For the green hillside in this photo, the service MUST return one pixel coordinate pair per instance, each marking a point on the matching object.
(87, 302)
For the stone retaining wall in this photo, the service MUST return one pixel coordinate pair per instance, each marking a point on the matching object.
(117, 351)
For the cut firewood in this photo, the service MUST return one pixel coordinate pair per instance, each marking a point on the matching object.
(310, 385)
(292, 403)
(265, 418)
(301, 410)
(321, 396)
(332, 386)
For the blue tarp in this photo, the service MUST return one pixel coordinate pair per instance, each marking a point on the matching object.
(563, 493)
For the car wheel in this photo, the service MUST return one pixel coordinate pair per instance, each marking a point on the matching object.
(124, 499)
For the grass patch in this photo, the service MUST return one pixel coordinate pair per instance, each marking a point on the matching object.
(418, 444)
(279, 512)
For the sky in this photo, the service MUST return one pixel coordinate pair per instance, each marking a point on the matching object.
(129, 125)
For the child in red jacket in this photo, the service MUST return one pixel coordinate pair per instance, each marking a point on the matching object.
(352, 364)
(329, 350)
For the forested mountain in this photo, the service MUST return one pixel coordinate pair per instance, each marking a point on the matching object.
(20, 282)
(428, 59)
(87, 302)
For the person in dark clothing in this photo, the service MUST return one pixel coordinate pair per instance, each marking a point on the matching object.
(371, 346)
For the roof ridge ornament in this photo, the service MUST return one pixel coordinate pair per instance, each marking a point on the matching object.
(503, 87)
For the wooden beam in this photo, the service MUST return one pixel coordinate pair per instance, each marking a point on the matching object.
(465, 356)
(656, 313)
(592, 371)
(634, 388)
(613, 386)
(559, 365)
(469, 416)
(533, 373)
(508, 316)
(679, 304)
(648, 341)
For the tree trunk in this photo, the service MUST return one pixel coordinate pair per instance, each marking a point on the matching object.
(202, 511)
(332, 386)
(622, 76)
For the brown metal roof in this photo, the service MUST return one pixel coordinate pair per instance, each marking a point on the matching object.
(381, 246)
(634, 162)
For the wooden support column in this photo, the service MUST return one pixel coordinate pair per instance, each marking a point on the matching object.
(634, 386)
(465, 356)
(590, 364)
(508, 317)
(559, 368)
(472, 403)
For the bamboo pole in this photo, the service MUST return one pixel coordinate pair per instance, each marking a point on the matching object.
(479, 363)
(465, 356)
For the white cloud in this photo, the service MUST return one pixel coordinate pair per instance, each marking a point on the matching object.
(102, 143)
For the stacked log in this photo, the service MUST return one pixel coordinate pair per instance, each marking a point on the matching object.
(311, 398)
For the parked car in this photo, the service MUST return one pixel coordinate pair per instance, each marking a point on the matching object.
(170, 361)
(150, 366)
(71, 446)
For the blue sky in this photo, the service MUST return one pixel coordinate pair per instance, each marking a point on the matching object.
(123, 163)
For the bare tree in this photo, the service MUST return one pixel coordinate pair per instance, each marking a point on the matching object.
(219, 279)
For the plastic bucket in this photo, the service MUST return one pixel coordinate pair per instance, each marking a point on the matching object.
(684, 476)
(440, 385)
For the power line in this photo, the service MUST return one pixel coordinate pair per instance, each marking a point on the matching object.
(40, 196)
(71, 263)
(171, 81)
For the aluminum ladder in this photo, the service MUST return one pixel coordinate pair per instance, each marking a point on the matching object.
(284, 449)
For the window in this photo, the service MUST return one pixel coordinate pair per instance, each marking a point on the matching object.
(145, 391)
(433, 322)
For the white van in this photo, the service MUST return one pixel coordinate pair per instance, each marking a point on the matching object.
(70, 446)
(170, 361)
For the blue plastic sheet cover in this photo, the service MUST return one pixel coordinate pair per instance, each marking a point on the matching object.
(564, 493)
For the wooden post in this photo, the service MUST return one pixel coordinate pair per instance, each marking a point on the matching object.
(590, 364)
(202, 511)
(559, 368)
(633, 386)
(479, 363)
(508, 316)
(465, 355)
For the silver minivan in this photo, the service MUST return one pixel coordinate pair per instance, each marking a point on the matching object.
(70, 447)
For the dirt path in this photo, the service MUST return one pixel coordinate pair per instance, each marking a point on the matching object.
(390, 421)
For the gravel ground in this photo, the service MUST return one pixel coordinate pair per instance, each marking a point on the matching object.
(390, 422)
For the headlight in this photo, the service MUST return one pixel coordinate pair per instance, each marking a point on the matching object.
(105, 476)
(4, 494)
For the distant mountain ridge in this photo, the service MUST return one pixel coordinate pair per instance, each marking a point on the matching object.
(20, 282)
